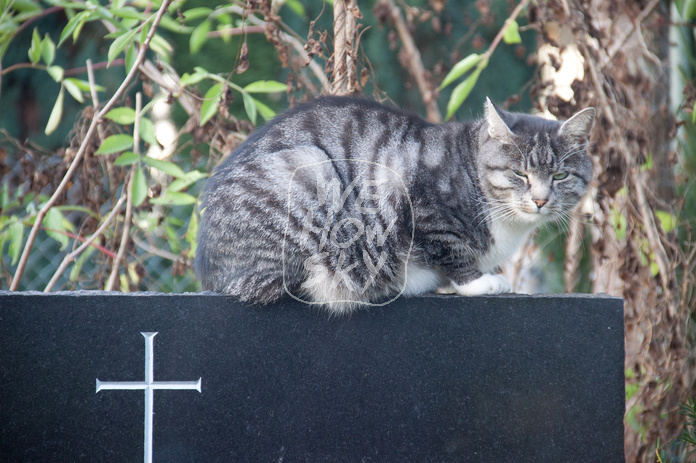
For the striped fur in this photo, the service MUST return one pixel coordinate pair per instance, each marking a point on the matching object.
(343, 202)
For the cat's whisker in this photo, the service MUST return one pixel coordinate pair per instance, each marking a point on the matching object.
(582, 148)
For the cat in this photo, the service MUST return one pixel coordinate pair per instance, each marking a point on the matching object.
(344, 202)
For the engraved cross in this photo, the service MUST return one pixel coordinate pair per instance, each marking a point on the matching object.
(149, 386)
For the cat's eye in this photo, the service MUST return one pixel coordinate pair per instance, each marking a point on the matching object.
(519, 173)
(560, 175)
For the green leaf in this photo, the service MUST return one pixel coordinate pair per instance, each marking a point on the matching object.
(70, 27)
(199, 36)
(160, 46)
(139, 188)
(120, 43)
(191, 79)
(128, 12)
(123, 116)
(196, 13)
(266, 86)
(127, 158)
(55, 227)
(648, 164)
(144, 31)
(131, 56)
(16, 230)
(667, 220)
(73, 89)
(224, 19)
(693, 114)
(174, 198)
(83, 85)
(192, 232)
(69, 208)
(172, 236)
(147, 131)
(174, 25)
(167, 167)
(35, 48)
(211, 99)
(4, 196)
(190, 178)
(56, 113)
(266, 112)
(459, 69)
(48, 50)
(511, 35)
(79, 26)
(25, 6)
(689, 10)
(56, 72)
(461, 92)
(249, 107)
(115, 144)
(77, 268)
(618, 220)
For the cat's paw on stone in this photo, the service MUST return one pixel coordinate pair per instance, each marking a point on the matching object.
(485, 284)
(448, 289)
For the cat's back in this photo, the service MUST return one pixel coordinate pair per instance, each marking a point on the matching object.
(339, 127)
(318, 163)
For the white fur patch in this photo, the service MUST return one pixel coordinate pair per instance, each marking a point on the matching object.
(420, 280)
(486, 284)
(507, 239)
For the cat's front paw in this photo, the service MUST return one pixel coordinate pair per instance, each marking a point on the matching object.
(485, 284)
(447, 289)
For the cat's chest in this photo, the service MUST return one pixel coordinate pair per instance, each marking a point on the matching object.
(506, 241)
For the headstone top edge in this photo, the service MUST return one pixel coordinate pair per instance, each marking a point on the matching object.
(141, 294)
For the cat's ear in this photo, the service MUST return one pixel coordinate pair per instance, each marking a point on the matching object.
(497, 128)
(578, 127)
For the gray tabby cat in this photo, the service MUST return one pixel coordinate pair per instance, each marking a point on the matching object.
(344, 202)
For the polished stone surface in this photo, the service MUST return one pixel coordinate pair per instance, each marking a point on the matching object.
(434, 378)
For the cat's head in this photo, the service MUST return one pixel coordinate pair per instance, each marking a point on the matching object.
(532, 169)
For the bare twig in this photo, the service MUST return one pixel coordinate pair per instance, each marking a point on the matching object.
(496, 40)
(88, 242)
(415, 67)
(36, 17)
(236, 31)
(129, 194)
(634, 27)
(83, 148)
(95, 66)
(292, 41)
(573, 255)
(155, 251)
(79, 238)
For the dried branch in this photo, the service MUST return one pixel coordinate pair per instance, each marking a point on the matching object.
(635, 183)
(88, 242)
(236, 31)
(496, 40)
(129, 194)
(573, 255)
(619, 44)
(292, 41)
(415, 67)
(83, 148)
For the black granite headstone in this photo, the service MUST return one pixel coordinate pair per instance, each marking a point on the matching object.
(434, 378)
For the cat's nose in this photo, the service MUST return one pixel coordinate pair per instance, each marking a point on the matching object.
(540, 202)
